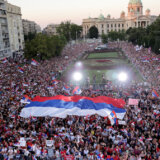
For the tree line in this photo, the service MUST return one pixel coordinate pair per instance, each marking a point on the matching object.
(147, 37)
(41, 46)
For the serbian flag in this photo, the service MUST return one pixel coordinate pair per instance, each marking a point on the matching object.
(20, 70)
(155, 94)
(61, 106)
(55, 82)
(34, 62)
(76, 90)
(113, 117)
(26, 100)
(4, 60)
(66, 89)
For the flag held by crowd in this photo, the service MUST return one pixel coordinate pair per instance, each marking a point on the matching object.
(26, 100)
(61, 106)
(34, 62)
(76, 90)
(4, 60)
(155, 94)
(113, 117)
(66, 89)
(20, 70)
(55, 82)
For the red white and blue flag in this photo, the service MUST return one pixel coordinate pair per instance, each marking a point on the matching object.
(55, 82)
(155, 94)
(20, 70)
(4, 60)
(26, 100)
(66, 89)
(113, 117)
(61, 106)
(34, 62)
(76, 90)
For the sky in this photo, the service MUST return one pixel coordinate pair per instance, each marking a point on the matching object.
(45, 12)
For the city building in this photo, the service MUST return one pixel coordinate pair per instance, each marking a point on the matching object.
(15, 27)
(51, 29)
(4, 34)
(30, 27)
(134, 18)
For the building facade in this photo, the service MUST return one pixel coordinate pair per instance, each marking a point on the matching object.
(30, 27)
(15, 27)
(4, 33)
(134, 18)
(51, 29)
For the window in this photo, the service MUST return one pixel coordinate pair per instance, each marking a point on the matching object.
(115, 25)
(102, 25)
(111, 25)
(119, 25)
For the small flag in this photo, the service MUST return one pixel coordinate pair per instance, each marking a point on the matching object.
(66, 89)
(113, 117)
(141, 140)
(26, 100)
(76, 90)
(20, 70)
(155, 94)
(55, 82)
(34, 62)
(4, 60)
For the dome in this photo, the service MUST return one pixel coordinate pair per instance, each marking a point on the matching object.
(148, 10)
(108, 16)
(101, 16)
(122, 12)
(135, 1)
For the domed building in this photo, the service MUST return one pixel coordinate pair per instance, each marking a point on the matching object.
(134, 18)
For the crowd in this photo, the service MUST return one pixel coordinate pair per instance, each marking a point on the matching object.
(81, 138)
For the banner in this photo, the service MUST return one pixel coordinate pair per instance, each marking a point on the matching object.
(133, 101)
(61, 106)
(49, 143)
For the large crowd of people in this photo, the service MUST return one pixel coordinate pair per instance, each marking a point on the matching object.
(78, 138)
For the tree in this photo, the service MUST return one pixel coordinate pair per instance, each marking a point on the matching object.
(93, 32)
(104, 38)
(149, 37)
(69, 30)
(30, 36)
(44, 47)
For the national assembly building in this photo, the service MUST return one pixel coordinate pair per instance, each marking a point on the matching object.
(134, 18)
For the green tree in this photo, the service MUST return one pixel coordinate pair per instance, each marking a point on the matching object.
(30, 36)
(149, 37)
(93, 32)
(69, 30)
(104, 38)
(44, 47)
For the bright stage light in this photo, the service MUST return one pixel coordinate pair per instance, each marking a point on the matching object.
(77, 76)
(78, 64)
(122, 77)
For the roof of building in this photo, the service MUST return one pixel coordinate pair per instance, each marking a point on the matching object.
(101, 16)
(148, 10)
(135, 1)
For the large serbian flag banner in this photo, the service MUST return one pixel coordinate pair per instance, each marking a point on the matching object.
(61, 106)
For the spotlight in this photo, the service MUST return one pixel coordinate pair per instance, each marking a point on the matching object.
(77, 76)
(78, 64)
(122, 77)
